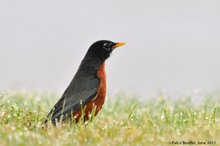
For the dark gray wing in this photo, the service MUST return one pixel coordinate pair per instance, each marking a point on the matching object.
(81, 90)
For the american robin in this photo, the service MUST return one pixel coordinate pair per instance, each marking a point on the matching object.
(86, 92)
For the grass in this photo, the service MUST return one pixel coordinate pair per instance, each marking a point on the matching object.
(125, 121)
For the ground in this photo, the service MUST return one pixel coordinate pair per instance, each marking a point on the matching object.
(124, 120)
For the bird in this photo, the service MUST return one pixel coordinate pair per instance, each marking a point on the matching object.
(86, 92)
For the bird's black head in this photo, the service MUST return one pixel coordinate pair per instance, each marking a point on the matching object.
(103, 48)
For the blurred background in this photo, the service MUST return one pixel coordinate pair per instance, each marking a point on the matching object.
(171, 46)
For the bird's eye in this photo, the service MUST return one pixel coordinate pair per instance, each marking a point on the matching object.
(107, 46)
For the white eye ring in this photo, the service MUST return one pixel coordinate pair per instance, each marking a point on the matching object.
(106, 46)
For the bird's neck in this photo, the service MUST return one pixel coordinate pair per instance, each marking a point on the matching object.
(91, 63)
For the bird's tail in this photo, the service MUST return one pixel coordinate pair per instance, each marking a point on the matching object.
(44, 124)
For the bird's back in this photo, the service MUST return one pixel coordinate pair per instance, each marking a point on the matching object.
(82, 89)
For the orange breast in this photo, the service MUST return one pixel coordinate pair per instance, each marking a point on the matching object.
(98, 101)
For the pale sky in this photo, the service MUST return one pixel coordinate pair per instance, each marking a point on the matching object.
(172, 45)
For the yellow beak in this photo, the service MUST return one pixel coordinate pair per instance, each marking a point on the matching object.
(118, 44)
